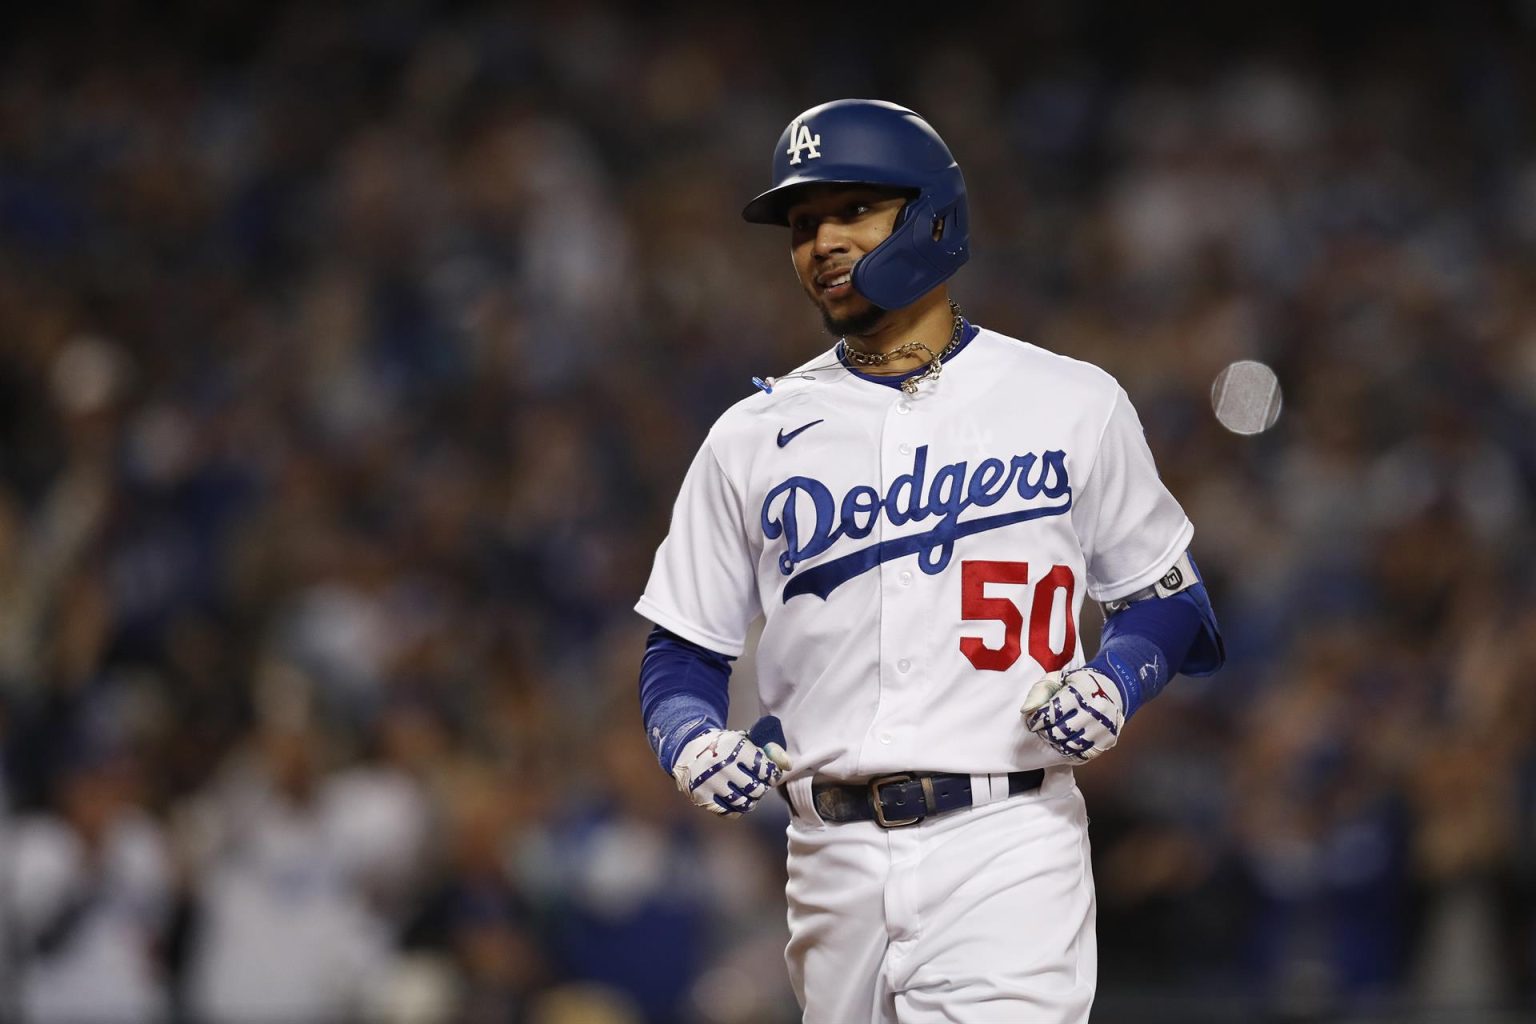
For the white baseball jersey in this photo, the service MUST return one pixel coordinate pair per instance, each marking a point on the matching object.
(918, 560)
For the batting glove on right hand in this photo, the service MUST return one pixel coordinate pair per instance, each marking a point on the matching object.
(1080, 713)
(723, 771)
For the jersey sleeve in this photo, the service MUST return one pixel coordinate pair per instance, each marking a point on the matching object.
(703, 583)
(1131, 528)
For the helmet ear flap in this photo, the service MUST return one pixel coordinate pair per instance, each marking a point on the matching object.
(949, 223)
(911, 262)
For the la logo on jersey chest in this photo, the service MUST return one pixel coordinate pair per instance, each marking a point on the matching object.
(801, 141)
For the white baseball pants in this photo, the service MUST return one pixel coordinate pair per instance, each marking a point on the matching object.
(977, 916)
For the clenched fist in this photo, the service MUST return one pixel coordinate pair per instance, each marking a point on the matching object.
(1080, 713)
(723, 771)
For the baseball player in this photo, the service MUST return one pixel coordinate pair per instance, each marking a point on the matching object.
(917, 514)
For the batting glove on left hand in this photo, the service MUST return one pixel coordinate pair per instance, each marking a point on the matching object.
(1079, 713)
(725, 772)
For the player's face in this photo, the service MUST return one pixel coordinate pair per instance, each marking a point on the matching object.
(831, 228)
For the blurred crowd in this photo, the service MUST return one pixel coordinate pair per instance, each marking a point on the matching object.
(350, 359)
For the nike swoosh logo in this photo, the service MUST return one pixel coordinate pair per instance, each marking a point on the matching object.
(784, 438)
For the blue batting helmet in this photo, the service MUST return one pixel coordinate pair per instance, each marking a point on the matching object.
(871, 142)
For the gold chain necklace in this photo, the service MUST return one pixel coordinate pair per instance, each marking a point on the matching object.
(911, 348)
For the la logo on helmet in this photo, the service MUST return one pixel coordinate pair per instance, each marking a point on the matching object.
(801, 140)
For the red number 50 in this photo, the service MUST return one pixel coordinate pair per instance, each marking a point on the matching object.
(975, 604)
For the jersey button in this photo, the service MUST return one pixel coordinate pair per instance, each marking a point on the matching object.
(906, 579)
(903, 665)
(903, 408)
(885, 737)
(905, 449)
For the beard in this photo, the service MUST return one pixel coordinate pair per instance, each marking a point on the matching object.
(856, 324)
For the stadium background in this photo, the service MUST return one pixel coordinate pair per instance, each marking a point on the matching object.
(350, 358)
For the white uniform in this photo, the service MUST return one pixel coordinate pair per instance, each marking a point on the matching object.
(919, 562)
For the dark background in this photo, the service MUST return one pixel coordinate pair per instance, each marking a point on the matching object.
(351, 356)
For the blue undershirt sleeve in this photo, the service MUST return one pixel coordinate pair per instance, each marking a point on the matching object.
(684, 692)
(1145, 645)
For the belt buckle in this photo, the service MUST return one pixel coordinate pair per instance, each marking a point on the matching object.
(874, 795)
